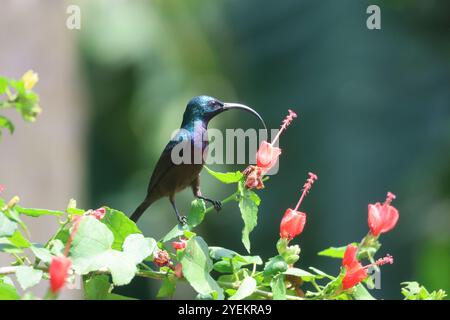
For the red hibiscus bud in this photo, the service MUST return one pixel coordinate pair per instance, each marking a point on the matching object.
(161, 258)
(382, 217)
(99, 214)
(58, 270)
(267, 156)
(293, 220)
(178, 271)
(179, 245)
(292, 224)
(354, 271)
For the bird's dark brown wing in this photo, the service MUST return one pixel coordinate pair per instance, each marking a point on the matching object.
(164, 164)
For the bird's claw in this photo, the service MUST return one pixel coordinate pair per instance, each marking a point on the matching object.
(217, 205)
(183, 220)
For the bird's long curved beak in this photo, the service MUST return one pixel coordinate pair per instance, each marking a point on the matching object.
(229, 106)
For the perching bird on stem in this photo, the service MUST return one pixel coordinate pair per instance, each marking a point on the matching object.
(169, 175)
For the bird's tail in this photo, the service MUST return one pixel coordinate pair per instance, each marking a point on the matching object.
(141, 209)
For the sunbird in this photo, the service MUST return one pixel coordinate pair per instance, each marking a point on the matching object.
(170, 177)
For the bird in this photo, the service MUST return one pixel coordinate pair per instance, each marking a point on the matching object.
(171, 176)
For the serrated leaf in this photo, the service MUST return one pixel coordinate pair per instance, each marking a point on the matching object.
(248, 205)
(28, 277)
(196, 213)
(120, 225)
(91, 251)
(226, 177)
(247, 287)
(196, 268)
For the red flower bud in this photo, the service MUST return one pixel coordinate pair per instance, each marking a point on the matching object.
(292, 224)
(354, 271)
(58, 270)
(2, 188)
(267, 156)
(382, 217)
(161, 258)
(179, 245)
(99, 214)
(293, 220)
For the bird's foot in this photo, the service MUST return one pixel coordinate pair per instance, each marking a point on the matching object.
(182, 220)
(217, 205)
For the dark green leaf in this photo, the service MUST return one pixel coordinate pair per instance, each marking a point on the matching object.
(196, 213)
(97, 287)
(248, 204)
(120, 225)
(278, 287)
(275, 266)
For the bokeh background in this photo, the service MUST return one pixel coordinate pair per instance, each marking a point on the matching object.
(373, 105)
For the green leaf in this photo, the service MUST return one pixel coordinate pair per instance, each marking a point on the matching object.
(7, 227)
(275, 266)
(196, 268)
(321, 273)
(414, 291)
(278, 287)
(120, 225)
(247, 287)
(7, 124)
(248, 204)
(38, 212)
(176, 231)
(97, 287)
(115, 296)
(361, 293)
(91, 251)
(28, 277)
(42, 254)
(138, 248)
(8, 292)
(3, 85)
(296, 272)
(228, 177)
(196, 213)
(18, 240)
(167, 288)
(334, 252)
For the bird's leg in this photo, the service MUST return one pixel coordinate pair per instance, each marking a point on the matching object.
(181, 219)
(198, 194)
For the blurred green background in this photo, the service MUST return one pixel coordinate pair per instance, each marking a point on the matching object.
(373, 105)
